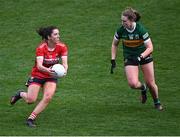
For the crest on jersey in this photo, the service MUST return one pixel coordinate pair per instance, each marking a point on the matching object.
(136, 36)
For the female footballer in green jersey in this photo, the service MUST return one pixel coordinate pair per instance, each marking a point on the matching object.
(137, 51)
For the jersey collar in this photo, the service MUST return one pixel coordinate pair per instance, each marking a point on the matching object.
(134, 27)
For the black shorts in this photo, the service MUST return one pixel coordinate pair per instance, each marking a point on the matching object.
(134, 62)
(38, 81)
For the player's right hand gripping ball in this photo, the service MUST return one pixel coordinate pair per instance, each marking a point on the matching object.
(59, 70)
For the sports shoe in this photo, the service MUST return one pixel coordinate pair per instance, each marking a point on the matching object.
(16, 97)
(30, 123)
(158, 106)
(143, 97)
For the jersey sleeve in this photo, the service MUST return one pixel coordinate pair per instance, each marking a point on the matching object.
(39, 52)
(64, 51)
(118, 34)
(144, 34)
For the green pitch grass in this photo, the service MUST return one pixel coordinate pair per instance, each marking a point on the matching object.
(89, 101)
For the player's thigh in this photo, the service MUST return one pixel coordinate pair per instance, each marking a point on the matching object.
(148, 71)
(49, 89)
(132, 73)
(32, 92)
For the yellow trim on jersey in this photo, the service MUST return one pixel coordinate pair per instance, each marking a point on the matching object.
(133, 43)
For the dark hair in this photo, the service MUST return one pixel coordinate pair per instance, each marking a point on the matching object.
(131, 14)
(44, 32)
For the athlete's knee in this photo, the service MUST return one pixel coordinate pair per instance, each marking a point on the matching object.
(133, 84)
(151, 84)
(30, 100)
(47, 98)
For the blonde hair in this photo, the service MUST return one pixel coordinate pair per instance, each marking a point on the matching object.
(131, 14)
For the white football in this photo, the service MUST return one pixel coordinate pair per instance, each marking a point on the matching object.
(59, 70)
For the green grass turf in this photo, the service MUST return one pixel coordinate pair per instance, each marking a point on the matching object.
(89, 101)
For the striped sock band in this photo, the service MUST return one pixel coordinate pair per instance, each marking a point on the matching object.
(156, 101)
(143, 89)
(32, 116)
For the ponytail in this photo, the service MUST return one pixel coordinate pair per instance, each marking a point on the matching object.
(138, 16)
(44, 32)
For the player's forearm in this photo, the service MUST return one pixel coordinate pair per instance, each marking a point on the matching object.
(65, 62)
(66, 67)
(149, 49)
(113, 51)
(43, 69)
(147, 52)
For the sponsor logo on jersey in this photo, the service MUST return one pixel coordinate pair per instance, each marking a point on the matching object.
(131, 36)
(133, 43)
(51, 61)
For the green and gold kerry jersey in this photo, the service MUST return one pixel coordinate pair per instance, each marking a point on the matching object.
(132, 41)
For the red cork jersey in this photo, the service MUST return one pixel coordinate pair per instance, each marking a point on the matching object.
(49, 58)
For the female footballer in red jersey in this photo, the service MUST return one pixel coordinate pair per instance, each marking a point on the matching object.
(48, 53)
